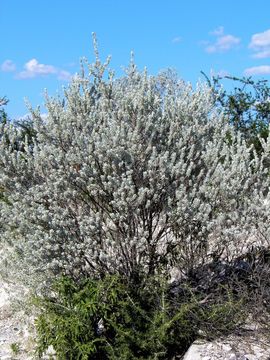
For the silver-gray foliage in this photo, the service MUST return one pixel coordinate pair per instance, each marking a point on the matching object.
(139, 173)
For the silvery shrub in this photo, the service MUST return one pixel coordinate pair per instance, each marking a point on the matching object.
(130, 175)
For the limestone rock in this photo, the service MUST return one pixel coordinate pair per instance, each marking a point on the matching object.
(249, 347)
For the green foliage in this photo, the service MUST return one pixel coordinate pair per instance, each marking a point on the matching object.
(3, 101)
(113, 319)
(15, 347)
(27, 130)
(3, 116)
(247, 106)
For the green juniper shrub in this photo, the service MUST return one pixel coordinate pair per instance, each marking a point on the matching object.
(112, 319)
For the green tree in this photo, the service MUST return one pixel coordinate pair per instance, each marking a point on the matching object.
(247, 106)
(3, 114)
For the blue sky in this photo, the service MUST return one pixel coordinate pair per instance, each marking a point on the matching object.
(43, 41)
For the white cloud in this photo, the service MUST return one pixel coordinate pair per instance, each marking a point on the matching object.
(262, 54)
(260, 40)
(218, 32)
(64, 75)
(258, 70)
(226, 42)
(8, 66)
(177, 39)
(223, 42)
(34, 69)
(260, 43)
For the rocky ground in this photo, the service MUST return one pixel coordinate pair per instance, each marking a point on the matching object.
(252, 346)
(16, 339)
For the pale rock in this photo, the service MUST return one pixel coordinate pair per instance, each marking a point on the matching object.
(231, 348)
